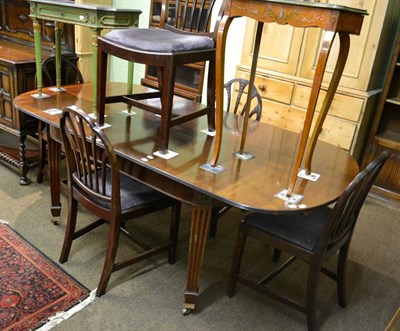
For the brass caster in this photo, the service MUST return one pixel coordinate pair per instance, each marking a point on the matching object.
(186, 311)
(24, 181)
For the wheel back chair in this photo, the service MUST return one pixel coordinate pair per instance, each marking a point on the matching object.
(236, 103)
(70, 74)
(182, 38)
(313, 236)
(95, 182)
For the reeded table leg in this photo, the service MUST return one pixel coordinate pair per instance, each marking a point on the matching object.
(201, 216)
(54, 170)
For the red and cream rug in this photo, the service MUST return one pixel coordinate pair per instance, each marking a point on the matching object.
(34, 290)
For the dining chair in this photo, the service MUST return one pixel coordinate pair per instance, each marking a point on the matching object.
(236, 97)
(239, 87)
(182, 38)
(313, 236)
(70, 74)
(95, 182)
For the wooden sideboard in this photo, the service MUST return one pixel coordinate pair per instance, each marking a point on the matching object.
(286, 66)
(17, 75)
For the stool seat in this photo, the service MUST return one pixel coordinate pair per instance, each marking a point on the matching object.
(173, 52)
(159, 40)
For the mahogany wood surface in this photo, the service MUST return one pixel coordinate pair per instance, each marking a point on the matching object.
(250, 185)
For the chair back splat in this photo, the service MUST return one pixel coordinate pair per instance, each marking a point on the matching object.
(183, 38)
(95, 182)
(239, 106)
(191, 16)
(313, 236)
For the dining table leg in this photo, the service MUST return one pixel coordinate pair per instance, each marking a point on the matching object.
(201, 216)
(54, 173)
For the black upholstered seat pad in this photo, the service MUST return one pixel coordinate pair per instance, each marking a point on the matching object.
(133, 193)
(303, 230)
(159, 40)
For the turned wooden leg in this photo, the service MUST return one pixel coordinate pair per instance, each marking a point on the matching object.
(201, 215)
(24, 168)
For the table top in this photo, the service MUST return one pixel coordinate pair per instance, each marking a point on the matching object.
(85, 5)
(313, 4)
(250, 185)
(329, 17)
(85, 14)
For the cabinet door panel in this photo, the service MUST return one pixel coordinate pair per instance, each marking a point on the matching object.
(6, 85)
(359, 64)
(279, 48)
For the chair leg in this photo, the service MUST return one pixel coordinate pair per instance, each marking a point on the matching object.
(173, 233)
(102, 63)
(167, 96)
(111, 253)
(341, 273)
(211, 95)
(312, 291)
(70, 229)
(237, 258)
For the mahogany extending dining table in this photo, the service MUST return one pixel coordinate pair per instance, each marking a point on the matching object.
(250, 185)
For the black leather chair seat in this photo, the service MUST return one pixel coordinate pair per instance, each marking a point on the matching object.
(133, 193)
(302, 231)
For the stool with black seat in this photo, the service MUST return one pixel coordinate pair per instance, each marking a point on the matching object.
(95, 182)
(313, 236)
(183, 38)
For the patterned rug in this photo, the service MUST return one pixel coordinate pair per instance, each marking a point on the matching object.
(33, 289)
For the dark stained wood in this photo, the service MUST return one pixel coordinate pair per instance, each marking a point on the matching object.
(96, 183)
(250, 185)
(333, 232)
